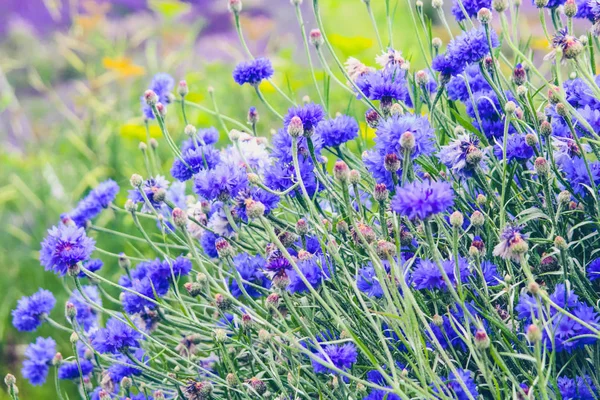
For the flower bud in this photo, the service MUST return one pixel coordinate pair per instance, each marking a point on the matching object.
(407, 141)
(541, 167)
(57, 359)
(541, 3)
(560, 243)
(253, 116)
(481, 199)
(254, 209)
(457, 219)
(385, 249)
(519, 76)
(301, 227)
(124, 261)
(264, 336)
(315, 37)
(158, 395)
(341, 171)
(561, 109)
(160, 195)
(391, 162)
(305, 99)
(484, 16)
(342, 227)
(223, 303)
(482, 340)
(548, 263)
(422, 77)
(510, 107)
(521, 91)
(189, 130)
(234, 6)
(436, 42)
(396, 109)
(366, 231)
(232, 380)
(437, 4)
(257, 385)
(161, 109)
(437, 320)
(74, 338)
(220, 335)
(531, 140)
(193, 288)
(234, 135)
(533, 287)
(477, 218)
(474, 252)
(253, 178)
(500, 5)
(281, 282)
(143, 146)
(179, 218)
(534, 334)
(380, 193)
(295, 127)
(570, 8)
(136, 180)
(372, 118)
(273, 300)
(103, 395)
(127, 383)
(70, 311)
(554, 94)
(545, 129)
(150, 97)
(564, 197)
(182, 88)
(10, 380)
(224, 249)
(354, 177)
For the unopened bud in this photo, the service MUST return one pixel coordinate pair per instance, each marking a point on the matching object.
(457, 219)
(189, 130)
(74, 338)
(161, 109)
(150, 97)
(534, 334)
(342, 227)
(224, 249)
(570, 8)
(234, 135)
(372, 118)
(70, 311)
(560, 243)
(315, 37)
(220, 335)
(396, 109)
(437, 320)
(554, 94)
(179, 218)
(158, 395)
(223, 303)
(253, 116)
(385, 249)
(437, 4)
(136, 180)
(160, 195)
(482, 340)
(500, 5)
(257, 385)
(295, 127)
(510, 107)
(561, 109)
(564, 197)
(519, 76)
(477, 219)
(541, 167)
(341, 171)
(183, 89)
(407, 141)
(391, 162)
(531, 140)
(354, 177)
(234, 6)
(193, 288)
(545, 129)
(484, 16)
(380, 193)
(301, 227)
(436, 42)
(127, 383)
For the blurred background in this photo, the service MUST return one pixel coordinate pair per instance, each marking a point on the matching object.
(71, 76)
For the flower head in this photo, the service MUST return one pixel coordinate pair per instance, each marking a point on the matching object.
(162, 85)
(222, 183)
(38, 356)
(64, 247)
(423, 199)
(28, 315)
(461, 155)
(91, 205)
(253, 72)
(310, 114)
(115, 337)
(512, 243)
(470, 6)
(150, 187)
(194, 160)
(250, 269)
(385, 85)
(336, 131)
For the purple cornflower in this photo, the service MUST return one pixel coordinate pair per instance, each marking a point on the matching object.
(126, 367)
(250, 269)
(150, 187)
(593, 270)
(115, 337)
(87, 316)
(577, 175)
(422, 199)
(269, 200)
(199, 158)
(253, 72)
(30, 311)
(427, 275)
(69, 370)
(310, 114)
(374, 376)
(512, 243)
(312, 272)
(517, 149)
(342, 356)
(467, 48)
(204, 137)
(447, 68)
(64, 247)
(462, 155)
(368, 282)
(471, 7)
(92, 265)
(91, 205)
(282, 146)
(580, 388)
(277, 264)
(281, 176)
(162, 84)
(457, 87)
(579, 94)
(384, 85)
(224, 182)
(38, 357)
(453, 385)
(334, 132)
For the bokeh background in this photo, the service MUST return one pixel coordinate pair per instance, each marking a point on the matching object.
(71, 76)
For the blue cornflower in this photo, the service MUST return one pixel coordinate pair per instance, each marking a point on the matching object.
(586, 387)
(253, 72)
(470, 6)
(203, 157)
(282, 146)
(250, 269)
(207, 241)
(577, 175)
(374, 163)
(447, 68)
(422, 199)
(310, 114)
(374, 376)
(204, 137)
(390, 131)
(553, 3)
(64, 247)
(593, 270)
(150, 186)
(313, 273)
(342, 356)
(563, 298)
(368, 282)
(115, 337)
(334, 132)
(527, 307)
(268, 199)
(224, 182)
(69, 370)
(38, 358)
(162, 84)
(490, 273)
(30, 311)
(125, 367)
(87, 316)
(91, 205)
(462, 155)
(277, 264)
(92, 265)
(162, 273)
(385, 85)
(579, 94)
(453, 385)
(517, 149)
(457, 87)
(281, 176)
(471, 46)
(427, 275)
(487, 104)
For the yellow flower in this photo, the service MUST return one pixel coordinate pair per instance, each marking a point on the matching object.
(123, 66)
